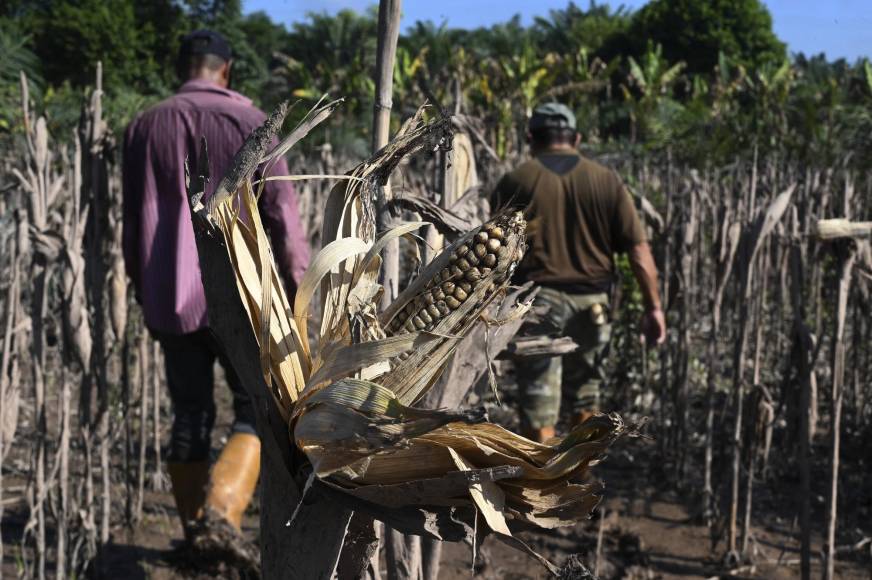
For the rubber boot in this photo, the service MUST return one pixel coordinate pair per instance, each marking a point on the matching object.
(234, 477)
(539, 435)
(189, 490)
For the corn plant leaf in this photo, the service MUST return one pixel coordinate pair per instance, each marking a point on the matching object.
(329, 258)
(342, 360)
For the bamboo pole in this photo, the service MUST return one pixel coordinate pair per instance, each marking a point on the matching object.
(665, 292)
(758, 306)
(802, 350)
(38, 182)
(754, 237)
(388, 35)
(847, 253)
(847, 260)
(158, 478)
(681, 387)
(8, 398)
(142, 381)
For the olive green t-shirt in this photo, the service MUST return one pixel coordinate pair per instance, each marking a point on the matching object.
(579, 215)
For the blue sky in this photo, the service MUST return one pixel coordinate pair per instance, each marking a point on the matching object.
(840, 28)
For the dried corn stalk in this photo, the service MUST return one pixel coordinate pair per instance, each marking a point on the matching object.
(348, 398)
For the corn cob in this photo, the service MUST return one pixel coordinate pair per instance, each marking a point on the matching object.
(480, 258)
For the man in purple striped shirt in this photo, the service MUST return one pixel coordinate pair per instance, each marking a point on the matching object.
(161, 259)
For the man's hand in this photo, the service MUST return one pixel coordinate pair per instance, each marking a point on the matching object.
(653, 327)
(653, 322)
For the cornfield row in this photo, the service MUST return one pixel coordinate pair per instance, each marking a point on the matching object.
(768, 349)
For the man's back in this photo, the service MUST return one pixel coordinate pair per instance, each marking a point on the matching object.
(579, 215)
(159, 247)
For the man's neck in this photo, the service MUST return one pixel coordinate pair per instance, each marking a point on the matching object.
(563, 148)
(209, 77)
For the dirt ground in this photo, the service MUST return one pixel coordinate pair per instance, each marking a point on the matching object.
(649, 531)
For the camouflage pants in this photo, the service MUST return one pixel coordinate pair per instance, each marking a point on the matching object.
(577, 375)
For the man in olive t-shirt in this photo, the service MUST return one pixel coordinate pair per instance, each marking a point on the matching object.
(579, 216)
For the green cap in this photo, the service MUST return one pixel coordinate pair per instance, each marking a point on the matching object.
(552, 115)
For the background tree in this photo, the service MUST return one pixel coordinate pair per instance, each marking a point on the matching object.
(649, 90)
(572, 29)
(696, 31)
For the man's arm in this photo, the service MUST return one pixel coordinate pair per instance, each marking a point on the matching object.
(631, 237)
(281, 216)
(645, 272)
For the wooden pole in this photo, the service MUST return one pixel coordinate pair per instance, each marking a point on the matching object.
(847, 253)
(802, 349)
(388, 34)
(754, 236)
(847, 259)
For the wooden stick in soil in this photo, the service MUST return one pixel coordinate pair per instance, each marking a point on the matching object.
(754, 236)
(10, 348)
(847, 256)
(141, 379)
(599, 543)
(802, 351)
(63, 515)
(158, 481)
(738, 406)
(724, 266)
(39, 168)
(752, 443)
(847, 264)
(127, 383)
(666, 281)
(681, 377)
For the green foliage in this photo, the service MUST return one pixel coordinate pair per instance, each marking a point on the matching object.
(130, 39)
(572, 30)
(336, 56)
(650, 90)
(697, 31)
(17, 59)
(706, 79)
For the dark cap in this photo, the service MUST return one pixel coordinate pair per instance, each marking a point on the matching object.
(205, 42)
(552, 116)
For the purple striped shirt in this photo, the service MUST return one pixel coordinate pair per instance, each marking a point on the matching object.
(159, 249)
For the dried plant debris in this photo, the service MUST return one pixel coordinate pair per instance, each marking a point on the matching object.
(349, 398)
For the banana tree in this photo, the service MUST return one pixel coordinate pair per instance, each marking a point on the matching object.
(333, 55)
(407, 67)
(516, 84)
(582, 80)
(527, 74)
(768, 89)
(649, 89)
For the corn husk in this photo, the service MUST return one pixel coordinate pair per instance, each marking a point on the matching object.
(348, 398)
(357, 433)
